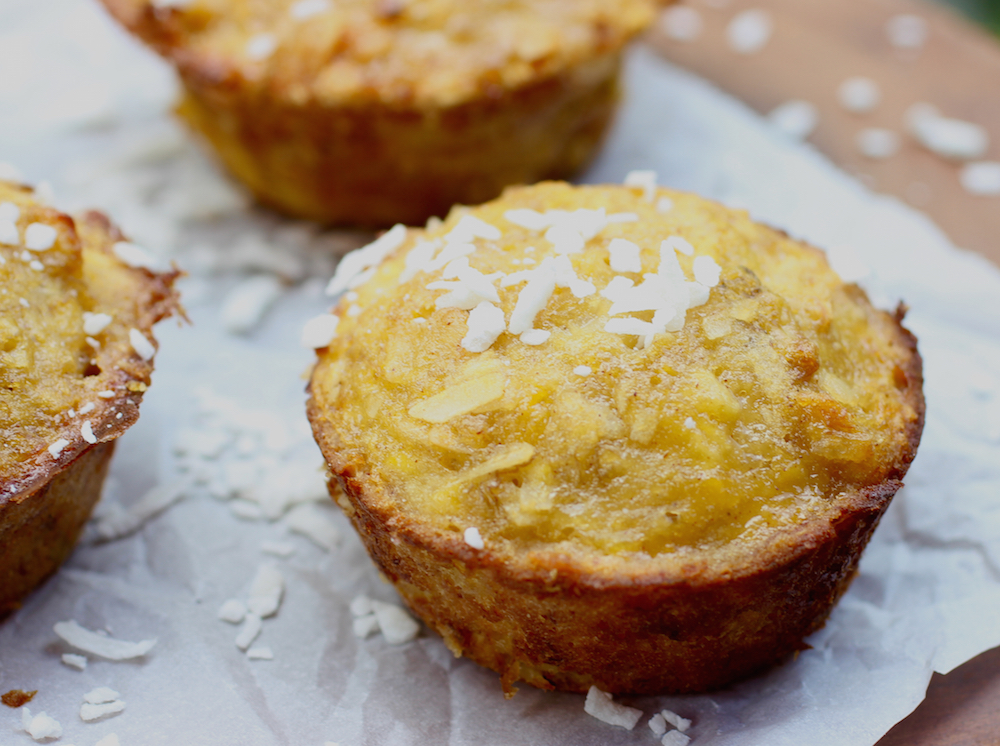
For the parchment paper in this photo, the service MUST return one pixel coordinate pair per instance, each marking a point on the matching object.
(87, 108)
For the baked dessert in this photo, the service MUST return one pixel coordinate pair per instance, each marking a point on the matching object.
(373, 112)
(76, 354)
(612, 436)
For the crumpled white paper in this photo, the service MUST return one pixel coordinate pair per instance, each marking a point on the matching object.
(223, 434)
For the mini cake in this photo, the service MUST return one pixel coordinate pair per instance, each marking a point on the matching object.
(612, 436)
(76, 354)
(372, 112)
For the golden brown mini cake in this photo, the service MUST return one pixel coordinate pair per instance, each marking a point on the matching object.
(76, 354)
(612, 436)
(373, 112)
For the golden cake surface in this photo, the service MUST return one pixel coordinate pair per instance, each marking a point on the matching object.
(370, 112)
(614, 387)
(75, 358)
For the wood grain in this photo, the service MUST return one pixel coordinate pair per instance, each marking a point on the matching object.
(817, 44)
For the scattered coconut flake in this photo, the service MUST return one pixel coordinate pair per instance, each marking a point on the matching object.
(681, 23)
(233, 611)
(675, 738)
(88, 408)
(252, 626)
(706, 271)
(533, 298)
(486, 323)
(319, 331)
(473, 538)
(601, 706)
(107, 394)
(73, 660)
(907, 31)
(266, 591)
(583, 370)
(262, 653)
(397, 625)
(142, 346)
(796, 118)
(690, 424)
(624, 256)
(859, 94)
(9, 234)
(304, 9)
(618, 288)
(525, 218)
(40, 726)
(365, 626)
(354, 310)
(283, 549)
(680, 723)
(361, 605)
(109, 740)
(645, 180)
(749, 31)
(134, 256)
(246, 304)
(878, 143)
(534, 336)
(658, 724)
(87, 432)
(981, 178)
(56, 448)
(261, 46)
(9, 212)
(118, 522)
(367, 257)
(677, 244)
(36, 265)
(310, 521)
(664, 204)
(89, 712)
(623, 217)
(103, 647)
(40, 237)
(95, 323)
(470, 227)
(949, 138)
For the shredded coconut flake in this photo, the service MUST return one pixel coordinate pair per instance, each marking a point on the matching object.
(525, 218)
(252, 626)
(906, 31)
(40, 237)
(749, 31)
(366, 258)
(658, 724)
(87, 432)
(675, 738)
(365, 626)
(89, 712)
(248, 302)
(534, 337)
(120, 522)
(473, 538)
(109, 740)
(310, 521)
(981, 178)
(947, 137)
(142, 346)
(583, 370)
(134, 256)
(878, 143)
(469, 228)
(664, 204)
(624, 256)
(262, 653)
(601, 706)
(233, 611)
(56, 448)
(796, 118)
(283, 549)
(95, 323)
(678, 244)
(40, 726)
(304, 9)
(103, 647)
(486, 323)
(361, 606)
(73, 660)
(88, 408)
(645, 180)
(397, 626)
(680, 723)
(9, 212)
(319, 331)
(107, 394)
(9, 234)
(261, 46)
(706, 271)
(266, 591)
(533, 298)
(859, 94)
(681, 23)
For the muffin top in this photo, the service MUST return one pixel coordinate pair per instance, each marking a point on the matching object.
(630, 370)
(402, 53)
(75, 347)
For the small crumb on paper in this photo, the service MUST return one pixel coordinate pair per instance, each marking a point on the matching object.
(266, 591)
(601, 706)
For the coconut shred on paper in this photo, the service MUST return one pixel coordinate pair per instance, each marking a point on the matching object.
(225, 423)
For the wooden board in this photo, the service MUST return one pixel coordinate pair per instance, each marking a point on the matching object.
(816, 45)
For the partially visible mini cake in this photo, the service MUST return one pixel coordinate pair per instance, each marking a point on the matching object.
(373, 112)
(612, 436)
(76, 354)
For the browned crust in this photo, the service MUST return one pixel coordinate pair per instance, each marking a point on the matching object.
(44, 505)
(677, 623)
